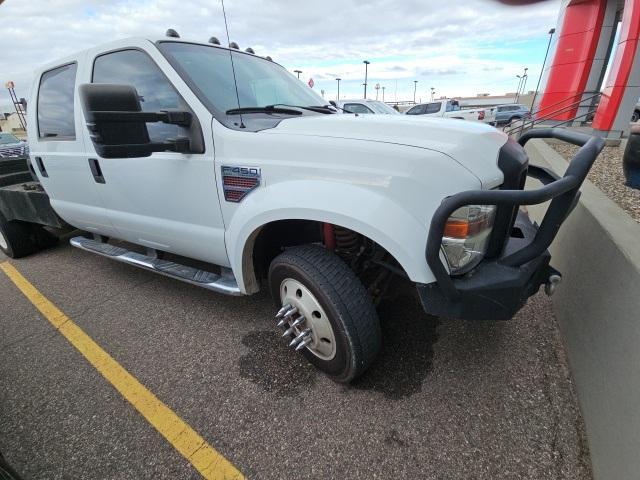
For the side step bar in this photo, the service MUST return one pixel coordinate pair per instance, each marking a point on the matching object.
(223, 283)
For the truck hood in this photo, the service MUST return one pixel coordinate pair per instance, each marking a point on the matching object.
(473, 145)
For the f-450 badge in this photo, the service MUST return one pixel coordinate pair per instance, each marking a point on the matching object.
(237, 182)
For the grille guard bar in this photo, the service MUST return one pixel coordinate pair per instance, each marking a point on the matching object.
(563, 193)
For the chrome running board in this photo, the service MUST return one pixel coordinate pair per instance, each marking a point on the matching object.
(224, 282)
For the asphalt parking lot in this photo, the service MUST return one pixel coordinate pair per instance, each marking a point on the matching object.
(446, 399)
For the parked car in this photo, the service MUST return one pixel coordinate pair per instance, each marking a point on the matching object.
(448, 109)
(506, 114)
(12, 147)
(321, 209)
(366, 106)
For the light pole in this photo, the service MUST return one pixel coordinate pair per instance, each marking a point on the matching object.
(383, 93)
(366, 68)
(338, 80)
(524, 82)
(415, 86)
(551, 32)
(521, 84)
(515, 100)
(298, 72)
(377, 87)
(433, 90)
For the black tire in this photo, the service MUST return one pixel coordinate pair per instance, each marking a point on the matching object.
(636, 116)
(351, 313)
(20, 239)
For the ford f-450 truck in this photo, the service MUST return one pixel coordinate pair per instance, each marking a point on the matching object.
(165, 162)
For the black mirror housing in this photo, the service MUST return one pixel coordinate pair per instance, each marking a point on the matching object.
(118, 126)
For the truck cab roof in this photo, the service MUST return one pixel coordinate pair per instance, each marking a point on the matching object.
(131, 41)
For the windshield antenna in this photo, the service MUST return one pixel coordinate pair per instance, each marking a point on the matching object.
(235, 81)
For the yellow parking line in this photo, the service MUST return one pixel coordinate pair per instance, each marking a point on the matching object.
(210, 463)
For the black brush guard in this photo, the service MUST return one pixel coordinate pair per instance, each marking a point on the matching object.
(497, 288)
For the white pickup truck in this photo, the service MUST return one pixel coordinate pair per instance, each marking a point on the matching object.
(449, 108)
(166, 163)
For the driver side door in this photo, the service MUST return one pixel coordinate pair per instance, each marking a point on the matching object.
(167, 200)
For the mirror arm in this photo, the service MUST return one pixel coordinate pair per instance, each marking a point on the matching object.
(173, 117)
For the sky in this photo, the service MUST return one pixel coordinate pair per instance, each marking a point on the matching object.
(459, 47)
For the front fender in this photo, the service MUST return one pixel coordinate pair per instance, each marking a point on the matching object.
(351, 206)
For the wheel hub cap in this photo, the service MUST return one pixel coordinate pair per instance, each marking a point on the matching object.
(305, 322)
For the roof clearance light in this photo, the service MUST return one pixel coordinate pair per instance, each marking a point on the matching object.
(172, 33)
(250, 50)
(234, 45)
(214, 40)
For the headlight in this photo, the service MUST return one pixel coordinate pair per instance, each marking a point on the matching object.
(466, 235)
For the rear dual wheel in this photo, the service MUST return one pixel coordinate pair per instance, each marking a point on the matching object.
(325, 311)
(19, 239)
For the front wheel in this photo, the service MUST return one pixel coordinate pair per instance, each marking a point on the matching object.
(325, 311)
(636, 116)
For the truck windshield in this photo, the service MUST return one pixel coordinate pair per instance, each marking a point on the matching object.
(207, 70)
(6, 138)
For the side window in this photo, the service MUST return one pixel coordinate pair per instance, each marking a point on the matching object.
(133, 67)
(449, 107)
(414, 110)
(433, 107)
(56, 119)
(357, 108)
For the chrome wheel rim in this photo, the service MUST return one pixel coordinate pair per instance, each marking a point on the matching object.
(306, 321)
(3, 241)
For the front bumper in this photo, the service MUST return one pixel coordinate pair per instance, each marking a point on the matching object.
(492, 291)
(500, 285)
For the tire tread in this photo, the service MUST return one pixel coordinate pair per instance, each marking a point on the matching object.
(350, 297)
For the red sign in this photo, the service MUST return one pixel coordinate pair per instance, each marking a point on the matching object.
(311, 84)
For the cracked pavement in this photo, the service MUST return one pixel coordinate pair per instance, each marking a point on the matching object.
(445, 399)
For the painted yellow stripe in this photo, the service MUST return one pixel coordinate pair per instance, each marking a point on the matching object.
(210, 463)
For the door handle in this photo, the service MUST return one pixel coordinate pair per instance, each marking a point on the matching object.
(96, 171)
(43, 171)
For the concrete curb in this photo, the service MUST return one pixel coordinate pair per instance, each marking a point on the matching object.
(598, 311)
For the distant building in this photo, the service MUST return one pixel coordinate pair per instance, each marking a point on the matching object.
(10, 122)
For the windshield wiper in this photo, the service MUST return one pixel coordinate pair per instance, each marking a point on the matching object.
(267, 109)
(313, 108)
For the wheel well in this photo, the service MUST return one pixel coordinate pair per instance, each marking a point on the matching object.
(271, 239)
(275, 236)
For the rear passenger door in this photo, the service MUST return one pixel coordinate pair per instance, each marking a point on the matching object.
(57, 150)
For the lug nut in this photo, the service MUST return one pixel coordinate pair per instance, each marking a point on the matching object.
(298, 321)
(282, 311)
(304, 343)
(300, 337)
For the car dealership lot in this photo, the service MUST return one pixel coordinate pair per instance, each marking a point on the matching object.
(446, 399)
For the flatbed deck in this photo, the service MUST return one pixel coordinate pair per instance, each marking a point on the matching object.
(22, 198)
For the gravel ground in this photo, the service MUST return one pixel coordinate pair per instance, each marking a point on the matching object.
(607, 175)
